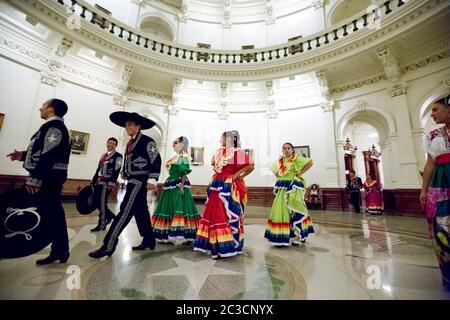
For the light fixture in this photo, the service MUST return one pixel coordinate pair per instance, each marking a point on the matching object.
(373, 152)
(348, 147)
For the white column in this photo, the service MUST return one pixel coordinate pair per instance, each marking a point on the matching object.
(409, 172)
(271, 33)
(166, 145)
(135, 10)
(341, 163)
(330, 144)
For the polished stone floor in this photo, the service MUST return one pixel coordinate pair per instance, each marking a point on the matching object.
(351, 256)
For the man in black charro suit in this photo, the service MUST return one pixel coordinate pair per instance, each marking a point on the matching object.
(46, 160)
(104, 181)
(142, 163)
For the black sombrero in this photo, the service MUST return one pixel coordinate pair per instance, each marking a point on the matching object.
(85, 202)
(25, 226)
(121, 117)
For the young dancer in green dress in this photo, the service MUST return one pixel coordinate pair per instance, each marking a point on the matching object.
(176, 219)
(289, 217)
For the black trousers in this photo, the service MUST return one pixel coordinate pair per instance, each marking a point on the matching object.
(134, 204)
(50, 198)
(101, 194)
(355, 199)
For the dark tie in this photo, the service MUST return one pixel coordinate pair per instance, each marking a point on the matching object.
(129, 145)
(104, 158)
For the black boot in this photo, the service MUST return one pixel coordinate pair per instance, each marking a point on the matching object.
(144, 245)
(98, 228)
(63, 257)
(100, 253)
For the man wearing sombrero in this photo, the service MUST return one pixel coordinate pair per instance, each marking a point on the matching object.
(142, 163)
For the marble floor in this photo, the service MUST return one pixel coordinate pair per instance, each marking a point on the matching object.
(351, 256)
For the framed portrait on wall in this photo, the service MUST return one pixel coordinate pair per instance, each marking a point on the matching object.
(79, 141)
(249, 152)
(2, 117)
(303, 151)
(197, 155)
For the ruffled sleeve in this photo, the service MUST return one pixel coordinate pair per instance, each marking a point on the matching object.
(299, 163)
(426, 145)
(242, 159)
(183, 166)
(275, 167)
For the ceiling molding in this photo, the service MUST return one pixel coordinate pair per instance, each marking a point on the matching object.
(414, 13)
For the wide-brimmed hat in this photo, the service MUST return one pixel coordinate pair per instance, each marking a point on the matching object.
(25, 224)
(121, 117)
(85, 201)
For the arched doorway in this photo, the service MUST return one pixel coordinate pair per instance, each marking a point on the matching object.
(345, 9)
(367, 158)
(158, 27)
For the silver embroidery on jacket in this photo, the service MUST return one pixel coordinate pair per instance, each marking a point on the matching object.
(152, 151)
(52, 139)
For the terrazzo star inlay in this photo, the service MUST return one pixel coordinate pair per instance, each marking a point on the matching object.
(196, 272)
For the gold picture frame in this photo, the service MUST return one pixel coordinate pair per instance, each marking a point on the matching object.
(79, 141)
(303, 151)
(197, 155)
(250, 152)
(2, 117)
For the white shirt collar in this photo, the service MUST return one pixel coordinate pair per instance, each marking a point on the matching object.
(54, 118)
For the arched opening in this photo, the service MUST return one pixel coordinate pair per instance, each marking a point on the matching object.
(156, 26)
(367, 127)
(425, 112)
(345, 9)
(366, 138)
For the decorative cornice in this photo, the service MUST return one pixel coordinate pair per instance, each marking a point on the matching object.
(49, 78)
(23, 50)
(398, 89)
(148, 93)
(425, 62)
(170, 3)
(253, 70)
(358, 84)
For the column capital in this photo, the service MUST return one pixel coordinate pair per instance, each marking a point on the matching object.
(49, 78)
(173, 110)
(271, 109)
(223, 112)
(327, 106)
(120, 100)
(398, 89)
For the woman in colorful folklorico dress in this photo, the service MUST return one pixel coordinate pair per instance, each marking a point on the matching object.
(374, 197)
(435, 194)
(289, 217)
(176, 219)
(221, 230)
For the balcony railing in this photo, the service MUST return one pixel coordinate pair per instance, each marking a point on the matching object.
(302, 46)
